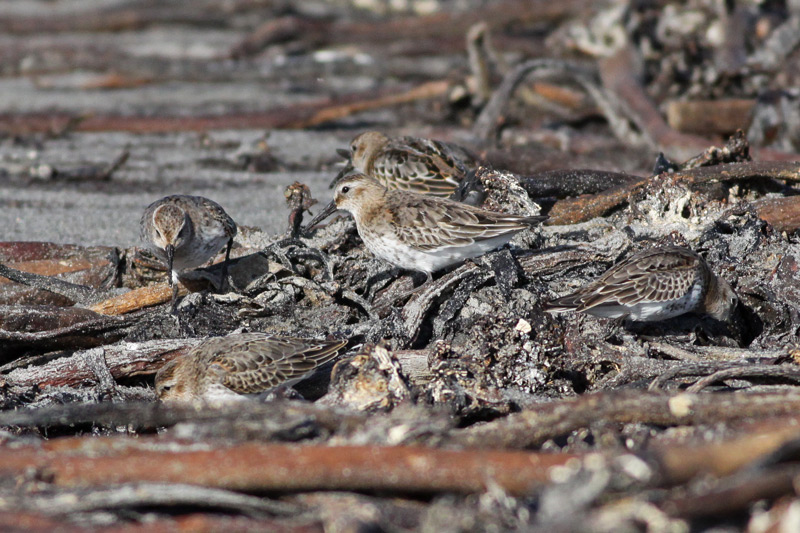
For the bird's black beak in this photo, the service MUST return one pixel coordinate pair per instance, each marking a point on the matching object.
(344, 153)
(322, 215)
(345, 170)
(170, 249)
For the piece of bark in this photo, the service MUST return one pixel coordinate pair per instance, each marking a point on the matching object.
(710, 117)
(486, 125)
(573, 182)
(99, 172)
(137, 299)
(583, 208)
(783, 214)
(262, 468)
(33, 320)
(72, 291)
(56, 328)
(53, 274)
(779, 372)
(681, 463)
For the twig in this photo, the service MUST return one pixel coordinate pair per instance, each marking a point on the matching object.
(149, 495)
(694, 368)
(619, 79)
(92, 172)
(486, 124)
(786, 372)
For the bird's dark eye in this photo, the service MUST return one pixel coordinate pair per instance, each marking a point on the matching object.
(165, 388)
(354, 148)
(345, 190)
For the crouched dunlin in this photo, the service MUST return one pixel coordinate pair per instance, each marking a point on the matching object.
(409, 163)
(419, 232)
(224, 369)
(652, 285)
(185, 232)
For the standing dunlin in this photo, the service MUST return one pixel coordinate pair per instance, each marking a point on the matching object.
(185, 232)
(225, 369)
(653, 285)
(412, 164)
(418, 232)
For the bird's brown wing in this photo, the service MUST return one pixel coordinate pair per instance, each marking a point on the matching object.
(408, 170)
(429, 223)
(259, 362)
(652, 276)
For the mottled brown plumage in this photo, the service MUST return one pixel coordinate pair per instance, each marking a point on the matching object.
(223, 369)
(425, 166)
(654, 284)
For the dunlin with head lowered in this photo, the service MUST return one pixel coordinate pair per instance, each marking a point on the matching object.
(653, 285)
(419, 232)
(225, 369)
(412, 164)
(185, 232)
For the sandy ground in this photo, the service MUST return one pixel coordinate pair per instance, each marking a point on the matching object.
(108, 213)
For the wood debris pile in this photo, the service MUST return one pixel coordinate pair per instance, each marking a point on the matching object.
(462, 406)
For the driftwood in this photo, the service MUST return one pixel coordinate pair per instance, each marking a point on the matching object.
(260, 468)
(575, 210)
(299, 116)
(122, 359)
(533, 427)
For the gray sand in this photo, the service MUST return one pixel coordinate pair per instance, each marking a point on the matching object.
(186, 163)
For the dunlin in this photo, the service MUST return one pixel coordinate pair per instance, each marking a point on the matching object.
(412, 164)
(652, 285)
(225, 369)
(185, 232)
(418, 232)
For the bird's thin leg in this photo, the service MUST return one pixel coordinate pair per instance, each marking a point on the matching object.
(225, 281)
(174, 304)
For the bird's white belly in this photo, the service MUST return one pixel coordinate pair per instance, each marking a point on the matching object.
(404, 256)
(653, 311)
(217, 394)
